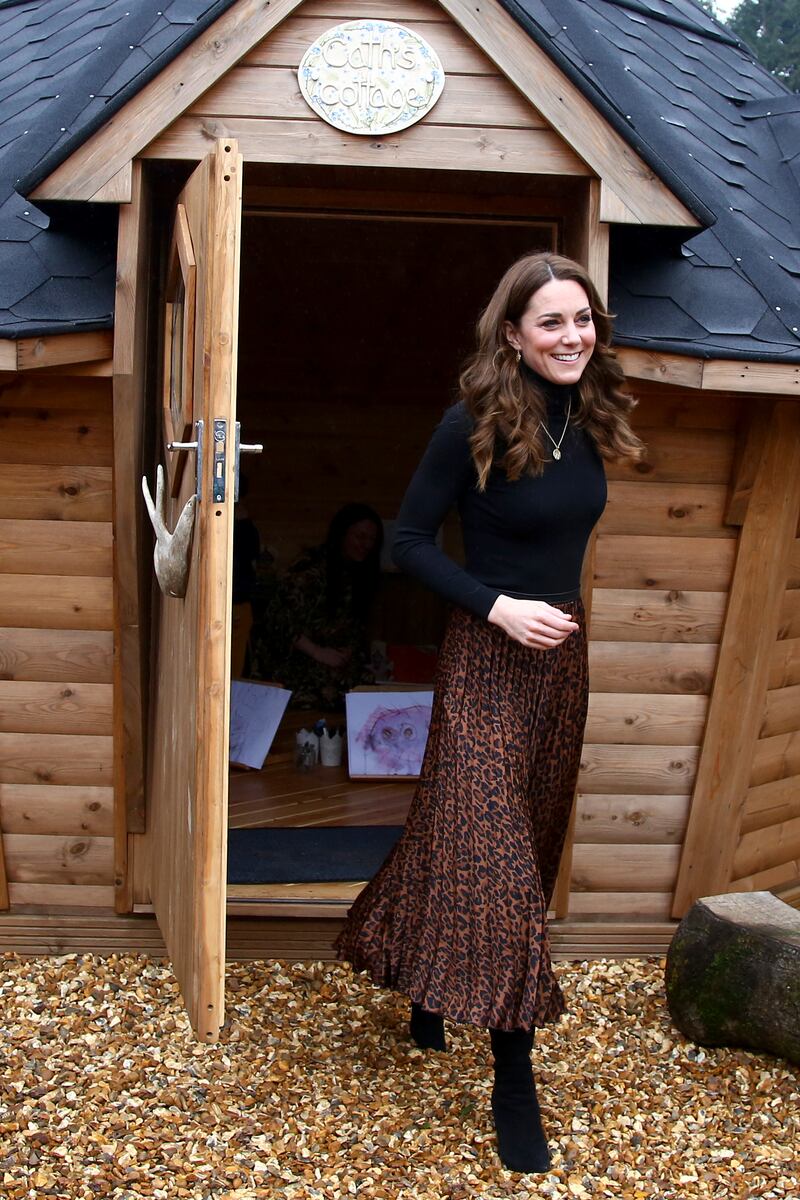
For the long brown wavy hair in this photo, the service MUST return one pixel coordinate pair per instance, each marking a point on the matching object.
(507, 406)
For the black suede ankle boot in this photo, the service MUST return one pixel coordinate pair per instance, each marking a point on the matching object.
(520, 1138)
(427, 1028)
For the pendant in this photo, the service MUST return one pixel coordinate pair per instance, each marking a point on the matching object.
(556, 453)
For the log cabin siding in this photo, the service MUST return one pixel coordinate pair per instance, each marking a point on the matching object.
(663, 564)
(56, 640)
(768, 851)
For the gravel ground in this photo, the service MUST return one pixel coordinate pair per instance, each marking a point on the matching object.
(315, 1091)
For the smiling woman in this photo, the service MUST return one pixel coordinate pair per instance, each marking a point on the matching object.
(457, 916)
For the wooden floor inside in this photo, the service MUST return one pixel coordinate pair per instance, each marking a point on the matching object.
(279, 794)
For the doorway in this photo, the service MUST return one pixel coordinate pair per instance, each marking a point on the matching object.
(357, 309)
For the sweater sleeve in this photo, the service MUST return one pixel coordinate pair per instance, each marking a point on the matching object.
(444, 473)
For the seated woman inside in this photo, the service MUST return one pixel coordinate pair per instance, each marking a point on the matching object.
(313, 637)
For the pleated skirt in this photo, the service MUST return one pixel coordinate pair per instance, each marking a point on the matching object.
(456, 918)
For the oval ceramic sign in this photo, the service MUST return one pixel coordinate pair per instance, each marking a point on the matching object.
(371, 77)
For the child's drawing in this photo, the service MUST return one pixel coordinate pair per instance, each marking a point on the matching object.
(387, 732)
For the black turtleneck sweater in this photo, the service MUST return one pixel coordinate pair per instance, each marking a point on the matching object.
(524, 538)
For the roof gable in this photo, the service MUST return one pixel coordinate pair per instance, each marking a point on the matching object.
(167, 97)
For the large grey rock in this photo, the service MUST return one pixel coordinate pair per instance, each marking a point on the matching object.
(733, 974)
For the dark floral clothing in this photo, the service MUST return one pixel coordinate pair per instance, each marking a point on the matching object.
(300, 607)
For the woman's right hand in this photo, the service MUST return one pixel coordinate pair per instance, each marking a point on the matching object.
(532, 622)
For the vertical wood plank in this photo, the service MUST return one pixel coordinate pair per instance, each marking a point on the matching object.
(4, 898)
(563, 882)
(188, 747)
(740, 685)
(129, 399)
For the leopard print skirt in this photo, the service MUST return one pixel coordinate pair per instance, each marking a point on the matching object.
(456, 918)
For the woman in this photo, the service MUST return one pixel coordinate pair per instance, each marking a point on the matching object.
(313, 638)
(456, 917)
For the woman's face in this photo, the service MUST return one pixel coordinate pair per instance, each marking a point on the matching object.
(359, 540)
(555, 335)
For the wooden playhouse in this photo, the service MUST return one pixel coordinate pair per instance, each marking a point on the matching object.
(184, 240)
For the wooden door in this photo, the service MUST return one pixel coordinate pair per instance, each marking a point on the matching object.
(188, 756)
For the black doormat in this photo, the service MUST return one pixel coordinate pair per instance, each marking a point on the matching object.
(315, 854)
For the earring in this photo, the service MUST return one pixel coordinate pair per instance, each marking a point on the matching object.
(519, 356)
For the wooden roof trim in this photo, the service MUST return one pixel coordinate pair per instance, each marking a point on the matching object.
(98, 170)
(716, 374)
(147, 114)
(56, 350)
(560, 102)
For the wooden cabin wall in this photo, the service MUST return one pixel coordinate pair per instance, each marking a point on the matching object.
(768, 850)
(56, 640)
(480, 122)
(663, 564)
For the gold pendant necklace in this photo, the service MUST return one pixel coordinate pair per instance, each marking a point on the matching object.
(557, 444)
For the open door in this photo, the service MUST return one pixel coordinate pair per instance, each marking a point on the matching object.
(188, 757)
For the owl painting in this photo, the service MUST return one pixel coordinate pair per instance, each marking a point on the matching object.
(391, 740)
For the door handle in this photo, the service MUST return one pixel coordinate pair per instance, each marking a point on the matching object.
(195, 445)
(243, 448)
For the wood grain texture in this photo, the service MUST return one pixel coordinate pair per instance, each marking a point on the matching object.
(55, 758)
(5, 900)
(132, 539)
(59, 349)
(667, 770)
(620, 905)
(773, 878)
(47, 493)
(749, 448)
(771, 803)
(271, 93)
(287, 44)
(768, 847)
(644, 615)
(56, 601)
(784, 663)
(635, 868)
(47, 898)
(188, 768)
(55, 707)
(666, 509)
(36, 933)
(681, 456)
(54, 435)
(775, 758)
(742, 673)
(637, 561)
(632, 718)
(41, 858)
(789, 620)
(621, 819)
(427, 146)
(40, 547)
(56, 809)
(781, 711)
(715, 375)
(64, 655)
(651, 667)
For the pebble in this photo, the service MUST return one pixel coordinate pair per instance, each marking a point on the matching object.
(315, 1091)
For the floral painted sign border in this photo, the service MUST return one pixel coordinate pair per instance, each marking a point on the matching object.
(371, 77)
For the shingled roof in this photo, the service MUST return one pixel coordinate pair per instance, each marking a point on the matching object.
(715, 127)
